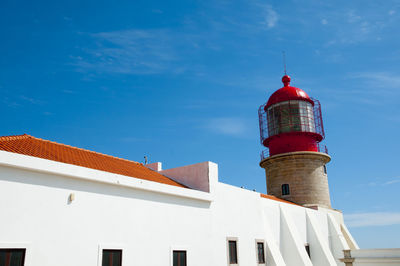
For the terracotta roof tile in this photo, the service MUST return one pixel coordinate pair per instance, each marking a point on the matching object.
(45, 149)
(277, 199)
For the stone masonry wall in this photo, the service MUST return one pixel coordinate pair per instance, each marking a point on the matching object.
(304, 172)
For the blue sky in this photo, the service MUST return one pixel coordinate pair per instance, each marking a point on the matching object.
(181, 82)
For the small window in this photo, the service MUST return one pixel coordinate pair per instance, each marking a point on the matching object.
(232, 252)
(12, 257)
(260, 253)
(285, 189)
(325, 169)
(112, 257)
(179, 258)
(307, 246)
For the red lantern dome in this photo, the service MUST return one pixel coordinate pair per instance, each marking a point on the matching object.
(290, 121)
(287, 93)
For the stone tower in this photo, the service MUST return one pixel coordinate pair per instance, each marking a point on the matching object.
(291, 128)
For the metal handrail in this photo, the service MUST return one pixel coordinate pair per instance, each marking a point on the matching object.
(300, 121)
(320, 148)
(264, 154)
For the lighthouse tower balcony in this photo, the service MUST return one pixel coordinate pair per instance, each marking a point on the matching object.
(319, 148)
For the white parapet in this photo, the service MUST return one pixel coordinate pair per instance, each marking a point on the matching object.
(154, 166)
(199, 176)
(369, 257)
(40, 165)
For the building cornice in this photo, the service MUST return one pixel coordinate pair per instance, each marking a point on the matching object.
(35, 164)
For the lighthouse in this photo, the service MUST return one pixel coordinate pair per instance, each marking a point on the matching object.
(291, 129)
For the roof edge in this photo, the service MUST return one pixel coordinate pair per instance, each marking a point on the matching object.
(24, 136)
(26, 162)
(266, 196)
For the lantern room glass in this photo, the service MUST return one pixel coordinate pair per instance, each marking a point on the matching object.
(290, 116)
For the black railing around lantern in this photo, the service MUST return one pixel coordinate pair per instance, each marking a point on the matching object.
(320, 148)
(290, 116)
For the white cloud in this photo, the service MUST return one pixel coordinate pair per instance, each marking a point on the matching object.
(30, 100)
(391, 182)
(227, 126)
(372, 219)
(353, 17)
(135, 52)
(167, 50)
(348, 27)
(379, 79)
(386, 182)
(271, 17)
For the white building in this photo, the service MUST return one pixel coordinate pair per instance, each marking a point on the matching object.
(65, 206)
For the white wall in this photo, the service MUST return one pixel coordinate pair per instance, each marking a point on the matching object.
(35, 210)
(147, 220)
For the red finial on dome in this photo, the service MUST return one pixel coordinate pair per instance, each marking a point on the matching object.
(286, 80)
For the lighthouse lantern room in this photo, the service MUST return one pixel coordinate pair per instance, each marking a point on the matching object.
(290, 121)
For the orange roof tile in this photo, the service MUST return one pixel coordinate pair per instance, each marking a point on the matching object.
(45, 149)
(277, 199)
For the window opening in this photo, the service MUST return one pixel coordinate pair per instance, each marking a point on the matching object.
(233, 252)
(112, 257)
(12, 257)
(285, 189)
(307, 246)
(260, 253)
(179, 258)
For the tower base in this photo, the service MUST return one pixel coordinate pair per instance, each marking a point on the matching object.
(305, 174)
